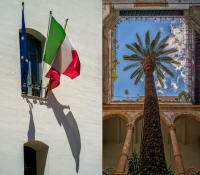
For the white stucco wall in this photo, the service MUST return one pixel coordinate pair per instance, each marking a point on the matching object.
(83, 94)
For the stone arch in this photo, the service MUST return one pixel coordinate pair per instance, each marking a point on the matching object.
(137, 117)
(36, 151)
(115, 115)
(35, 33)
(114, 128)
(36, 145)
(187, 133)
(162, 116)
(190, 115)
(39, 36)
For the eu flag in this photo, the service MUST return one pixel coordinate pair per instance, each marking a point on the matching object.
(24, 55)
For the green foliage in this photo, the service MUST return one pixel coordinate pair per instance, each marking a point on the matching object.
(115, 76)
(133, 164)
(170, 171)
(154, 49)
(126, 91)
(116, 62)
(184, 96)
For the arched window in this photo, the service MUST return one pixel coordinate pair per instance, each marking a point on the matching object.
(35, 158)
(35, 42)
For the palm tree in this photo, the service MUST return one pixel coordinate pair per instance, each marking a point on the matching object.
(148, 61)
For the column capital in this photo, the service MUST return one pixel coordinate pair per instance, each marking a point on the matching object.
(130, 125)
(124, 154)
(178, 155)
(106, 29)
(172, 126)
(181, 173)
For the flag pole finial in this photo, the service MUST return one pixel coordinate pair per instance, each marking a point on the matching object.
(66, 23)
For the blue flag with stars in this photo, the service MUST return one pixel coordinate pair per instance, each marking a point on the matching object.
(24, 53)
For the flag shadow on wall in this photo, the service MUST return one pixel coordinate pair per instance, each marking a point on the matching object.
(66, 120)
(69, 124)
(31, 129)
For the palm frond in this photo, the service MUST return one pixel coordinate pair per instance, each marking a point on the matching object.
(133, 57)
(155, 41)
(139, 77)
(164, 45)
(147, 40)
(139, 40)
(155, 49)
(160, 80)
(159, 72)
(168, 51)
(131, 66)
(138, 48)
(165, 69)
(166, 59)
(132, 48)
(163, 41)
(136, 72)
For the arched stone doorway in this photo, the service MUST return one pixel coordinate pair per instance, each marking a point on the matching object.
(188, 136)
(114, 133)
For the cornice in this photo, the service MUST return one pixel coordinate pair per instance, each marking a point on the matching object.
(168, 107)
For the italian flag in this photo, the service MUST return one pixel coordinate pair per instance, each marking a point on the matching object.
(61, 55)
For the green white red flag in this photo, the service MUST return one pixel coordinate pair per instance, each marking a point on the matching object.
(60, 54)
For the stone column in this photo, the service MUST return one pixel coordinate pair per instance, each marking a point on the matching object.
(108, 23)
(125, 151)
(106, 64)
(177, 154)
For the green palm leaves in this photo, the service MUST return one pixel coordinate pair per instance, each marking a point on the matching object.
(154, 49)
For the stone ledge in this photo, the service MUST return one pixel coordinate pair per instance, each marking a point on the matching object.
(140, 106)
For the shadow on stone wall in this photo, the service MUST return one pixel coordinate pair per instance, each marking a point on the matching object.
(31, 129)
(67, 121)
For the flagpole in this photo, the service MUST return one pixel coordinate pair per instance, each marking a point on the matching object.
(23, 5)
(66, 21)
(26, 83)
(50, 15)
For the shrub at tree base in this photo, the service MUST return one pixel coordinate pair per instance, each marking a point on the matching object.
(134, 165)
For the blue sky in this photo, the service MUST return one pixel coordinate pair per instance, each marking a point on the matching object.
(126, 34)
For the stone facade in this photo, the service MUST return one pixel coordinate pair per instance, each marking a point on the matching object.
(131, 112)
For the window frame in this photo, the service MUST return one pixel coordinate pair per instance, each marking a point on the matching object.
(38, 37)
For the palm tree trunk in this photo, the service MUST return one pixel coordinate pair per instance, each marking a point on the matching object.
(152, 150)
